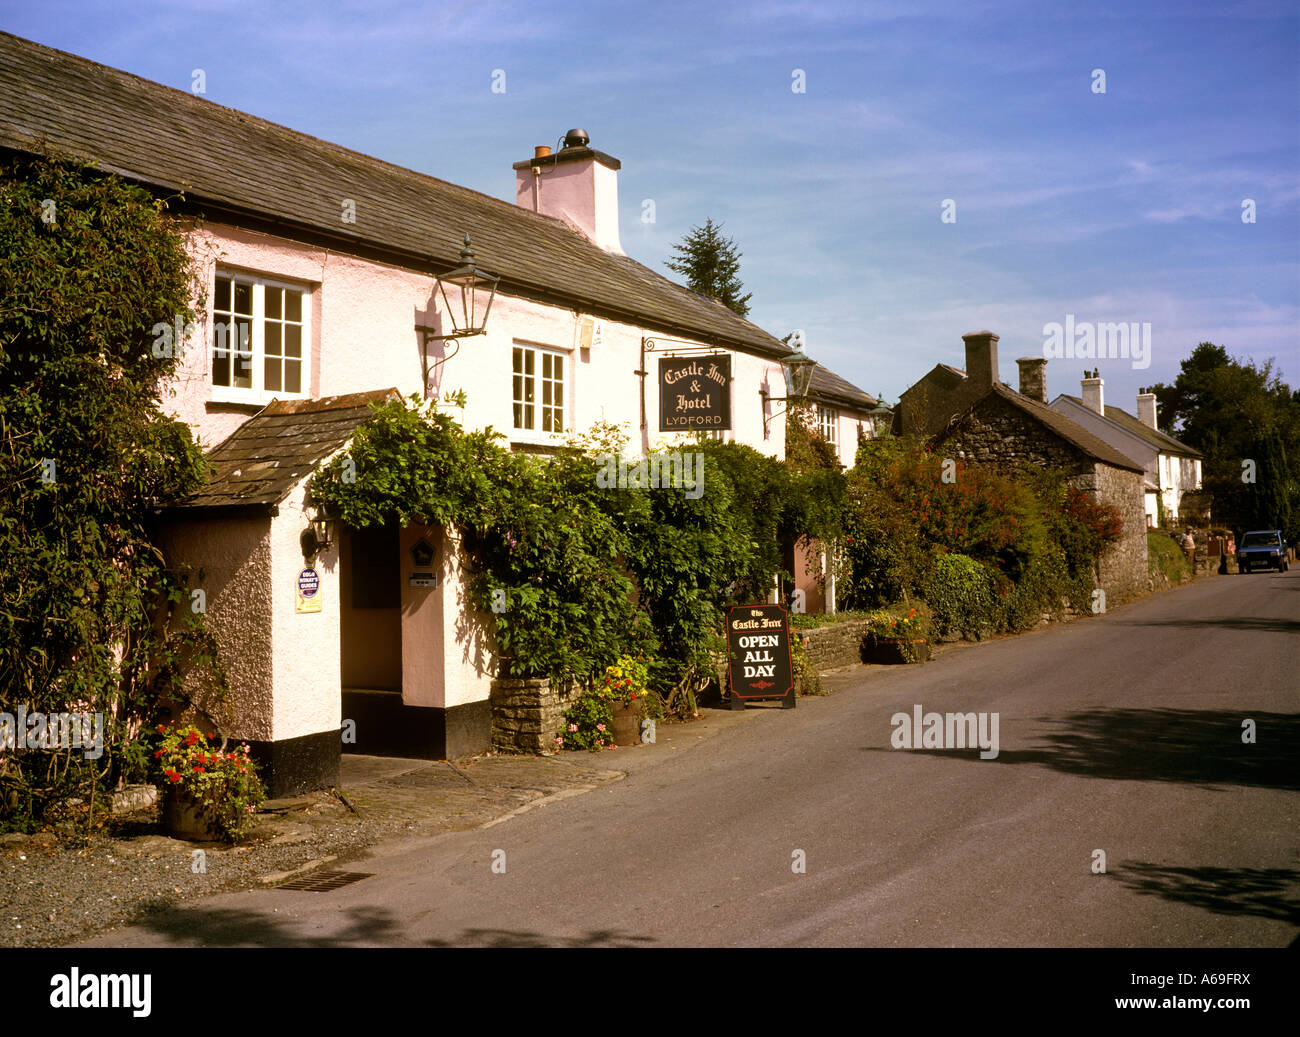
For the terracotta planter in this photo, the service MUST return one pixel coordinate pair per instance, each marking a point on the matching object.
(891, 650)
(626, 728)
(182, 819)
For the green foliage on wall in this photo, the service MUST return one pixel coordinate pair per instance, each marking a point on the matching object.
(91, 620)
(571, 570)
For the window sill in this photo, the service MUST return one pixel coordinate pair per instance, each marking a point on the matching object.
(226, 398)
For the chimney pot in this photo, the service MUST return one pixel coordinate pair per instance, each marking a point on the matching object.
(1033, 377)
(541, 150)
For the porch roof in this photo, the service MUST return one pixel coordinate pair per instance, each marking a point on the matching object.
(262, 461)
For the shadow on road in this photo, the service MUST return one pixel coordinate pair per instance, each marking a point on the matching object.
(512, 938)
(1199, 747)
(1257, 624)
(1258, 892)
(225, 927)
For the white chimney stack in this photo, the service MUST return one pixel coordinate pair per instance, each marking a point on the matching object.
(1146, 402)
(1093, 396)
(576, 184)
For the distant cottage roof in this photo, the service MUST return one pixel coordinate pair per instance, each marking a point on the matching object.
(1068, 430)
(230, 164)
(270, 453)
(1126, 421)
(830, 386)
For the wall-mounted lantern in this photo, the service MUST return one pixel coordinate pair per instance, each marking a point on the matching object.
(798, 369)
(477, 291)
(321, 531)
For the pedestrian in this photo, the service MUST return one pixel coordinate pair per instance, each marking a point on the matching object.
(1189, 546)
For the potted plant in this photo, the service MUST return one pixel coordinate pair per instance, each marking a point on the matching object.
(609, 714)
(898, 638)
(207, 793)
(624, 686)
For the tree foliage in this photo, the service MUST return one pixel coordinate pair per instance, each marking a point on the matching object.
(90, 620)
(711, 264)
(1234, 411)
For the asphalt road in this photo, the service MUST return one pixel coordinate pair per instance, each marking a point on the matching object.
(1120, 733)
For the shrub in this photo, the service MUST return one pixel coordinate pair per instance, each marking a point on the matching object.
(963, 596)
(1165, 558)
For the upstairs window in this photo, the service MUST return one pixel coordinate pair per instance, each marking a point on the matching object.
(259, 334)
(827, 422)
(538, 389)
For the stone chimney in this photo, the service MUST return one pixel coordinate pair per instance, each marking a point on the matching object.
(577, 184)
(1093, 397)
(981, 359)
(1146, 402)
(1033, 377)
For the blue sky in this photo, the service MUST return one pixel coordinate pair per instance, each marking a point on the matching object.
(1116, 206)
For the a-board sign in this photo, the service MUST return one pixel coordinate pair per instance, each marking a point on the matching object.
(758, 644)
(694, 393)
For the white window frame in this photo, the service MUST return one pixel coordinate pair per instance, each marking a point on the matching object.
(540, 351)
(257, 392)
(828, 422)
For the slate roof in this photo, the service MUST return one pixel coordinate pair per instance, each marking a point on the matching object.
(262, 461)
(828, 385)
(1070, 431)
(1165, 444)
(231, 163)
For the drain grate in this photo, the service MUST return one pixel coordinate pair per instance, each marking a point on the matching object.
(324, 881)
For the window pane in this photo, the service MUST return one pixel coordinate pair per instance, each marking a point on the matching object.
(293, 306)
(546, 392)
(519, 415)
(518, 361)
(220, 367)
(274, 302)
(528, 390)
(293, 376)
(222, 299)
(292, 339)
(271, 374)
(272, 339)
(244, 298)
(529, 357)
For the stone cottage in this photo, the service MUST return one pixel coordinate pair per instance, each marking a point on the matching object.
(977, 418)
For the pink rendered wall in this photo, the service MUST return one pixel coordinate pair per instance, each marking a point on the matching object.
(363, 337)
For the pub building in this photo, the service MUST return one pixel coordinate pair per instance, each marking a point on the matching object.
(346, 278)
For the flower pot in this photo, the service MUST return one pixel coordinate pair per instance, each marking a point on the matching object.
(183, 818)
(626, 726)
(892, 650)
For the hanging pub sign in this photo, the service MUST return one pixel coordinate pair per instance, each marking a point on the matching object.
(758, 647)
(694, 393)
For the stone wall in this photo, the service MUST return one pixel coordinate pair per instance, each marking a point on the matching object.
(998, 433)
(836, 644)
(1122, 570)
(527, 714)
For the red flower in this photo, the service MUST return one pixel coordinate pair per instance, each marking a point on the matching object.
(191, 738)
(162, 730)
(159, 753)
(198, 769)
(175, 777)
